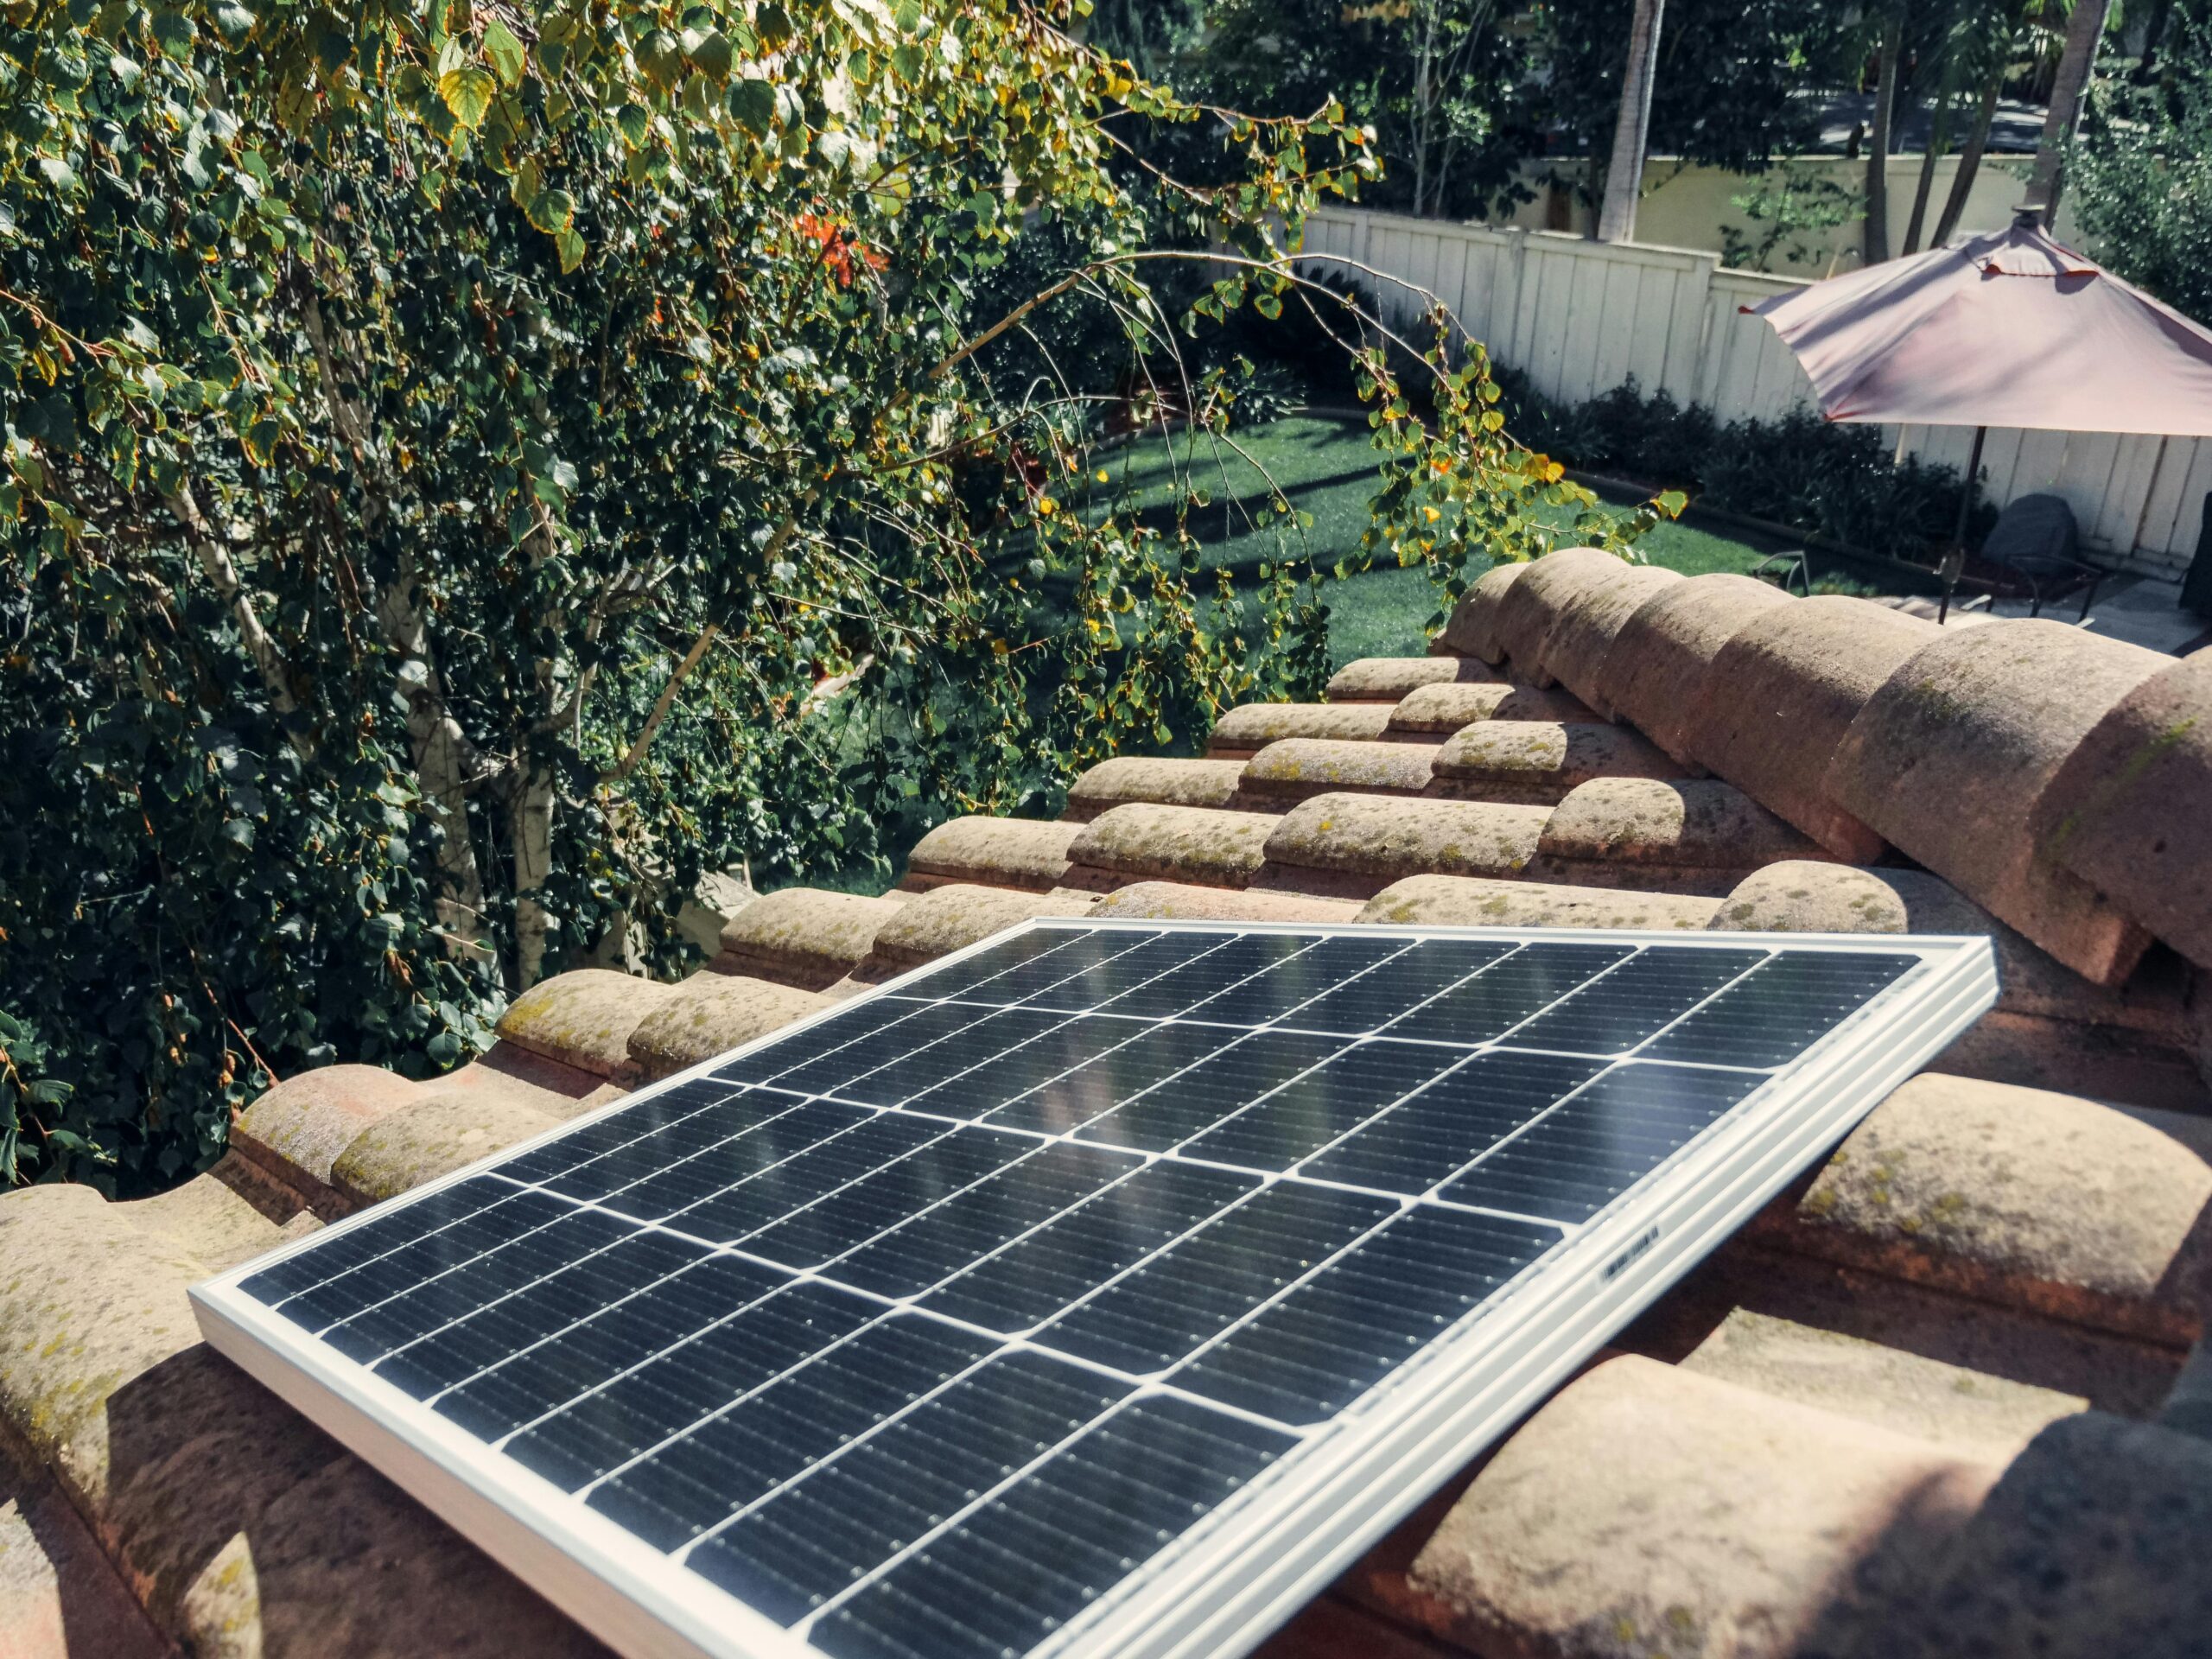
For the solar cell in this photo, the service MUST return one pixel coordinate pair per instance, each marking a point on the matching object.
(978, 1315)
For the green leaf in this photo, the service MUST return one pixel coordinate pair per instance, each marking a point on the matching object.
(572, 250)
(504, 51)
(634, 123)
(553, 213)
(713, 55)
(468, 93)
(752, 104)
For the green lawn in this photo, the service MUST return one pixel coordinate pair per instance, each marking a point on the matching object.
(1327, 469)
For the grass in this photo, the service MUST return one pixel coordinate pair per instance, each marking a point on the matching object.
(1327, 469)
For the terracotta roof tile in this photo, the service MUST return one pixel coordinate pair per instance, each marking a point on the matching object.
(2130, 810)
(2093, 1542)
(1589, 621)
(809, 939)
(1299, 768)
(1948, 758)
(1386, 679)
(1779, 696)
(1251, 726)
(583, 1018)
(433, 1135)
(296, 1131)
(1653, 673)
(1194, 844)
(1537, 762)
(1140, 778)
(1649, 1509)
(1853, 1369)
(710, 1014)
(1010, 852)
(1172, 900)
(1474, 902)
(1448, 707)
(1356, 845)
(1631, 829)
(1531, 608)
(1893, 1388)
(60, 1597)
(1471, 629)
(2043, 1201)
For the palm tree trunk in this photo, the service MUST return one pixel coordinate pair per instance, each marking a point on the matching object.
(1970, 158)
(1876, 245)
(1624, 174)
(1939, 140)
(2083, 31)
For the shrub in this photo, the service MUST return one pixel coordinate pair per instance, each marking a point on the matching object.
(1834, 480)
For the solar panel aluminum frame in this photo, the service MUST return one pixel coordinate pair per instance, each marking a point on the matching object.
(1251, 1563)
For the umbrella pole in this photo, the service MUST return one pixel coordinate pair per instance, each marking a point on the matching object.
(1954, 562)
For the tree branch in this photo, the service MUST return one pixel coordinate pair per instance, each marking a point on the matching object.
(215, 560)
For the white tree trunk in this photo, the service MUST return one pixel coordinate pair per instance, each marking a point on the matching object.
(2083, 31)
(1624, 173)
(529, 810)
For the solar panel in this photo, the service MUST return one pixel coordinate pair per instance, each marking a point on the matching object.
(1103, 1289)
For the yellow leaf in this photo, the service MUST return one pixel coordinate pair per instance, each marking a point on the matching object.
(468, 93)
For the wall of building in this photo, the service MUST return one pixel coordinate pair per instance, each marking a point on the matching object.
(1579, 317)
(1686, 206)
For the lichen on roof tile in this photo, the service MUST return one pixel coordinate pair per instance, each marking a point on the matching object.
(1380, 839)
(1531, 608)
(805, 936)
(1537, 762)
(1251, 726)
(1478, 901)
(1387, 679)
(1471, 629)
(1781, 694)
(1696, 823)
(2050, 1202)
(1179, 901)
(1648, 1511)
(953, 917)
(1128, 777)
(1654, 674)
(1007, 852)
(2130, 810)
(2093, 1542)
(1949, 756)
(435, 1135)
(583, 1018)
(1989, 1414)
(710, 1014)
(1589, 621)
(1444, 708)
(1296, 769)
(299, 1127)
(1195, 844)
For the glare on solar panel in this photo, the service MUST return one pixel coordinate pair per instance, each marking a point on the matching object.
(1102, 1289)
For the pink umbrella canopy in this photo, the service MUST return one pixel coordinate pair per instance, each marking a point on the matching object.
(2007, 329)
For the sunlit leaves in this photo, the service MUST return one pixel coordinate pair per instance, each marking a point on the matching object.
(468, 93)
(504, 53)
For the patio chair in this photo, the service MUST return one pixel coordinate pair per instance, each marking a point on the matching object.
(2034, 546)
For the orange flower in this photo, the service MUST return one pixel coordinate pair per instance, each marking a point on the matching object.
(837, 243)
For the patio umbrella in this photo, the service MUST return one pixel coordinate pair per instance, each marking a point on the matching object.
(2010, 328)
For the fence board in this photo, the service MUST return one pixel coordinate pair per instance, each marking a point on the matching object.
(1579, 317)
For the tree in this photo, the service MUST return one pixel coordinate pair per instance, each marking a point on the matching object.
(2143, 169)
(1632, 126)
(1446, 84)
(449, 448)
(1877, 233)
(2085, 28)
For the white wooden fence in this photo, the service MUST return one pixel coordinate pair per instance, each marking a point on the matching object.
(1579, 317)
